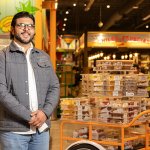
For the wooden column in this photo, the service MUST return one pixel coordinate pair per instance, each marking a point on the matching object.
(52, 47)
(38, 26)
(52, 51)
(53, 36)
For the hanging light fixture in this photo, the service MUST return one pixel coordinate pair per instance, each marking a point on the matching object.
(100, 24)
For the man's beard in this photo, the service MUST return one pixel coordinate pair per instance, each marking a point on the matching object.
(22, 41)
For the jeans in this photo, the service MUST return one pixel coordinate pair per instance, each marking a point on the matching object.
(13, 141)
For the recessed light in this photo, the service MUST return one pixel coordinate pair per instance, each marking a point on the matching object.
(108, 6)
(74, 4)
(67, 12)
(65, 19)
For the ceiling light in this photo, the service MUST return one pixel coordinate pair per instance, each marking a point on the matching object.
(74, 4)
(63, 29)
(65, 19)
(64, 24)
(147, 26)
(67, 12)
(108, 6)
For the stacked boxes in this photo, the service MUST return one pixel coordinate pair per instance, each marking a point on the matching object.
(68, 108)
(111, 65)
(105, 84)
(129, 85)
(110, 98)
(76, 109)
(108, 110)
(83, 109)
(142, 84)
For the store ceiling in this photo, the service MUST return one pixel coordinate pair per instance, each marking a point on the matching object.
(121, 16)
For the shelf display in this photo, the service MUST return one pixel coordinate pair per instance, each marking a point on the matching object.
(112, 105)
(106, 109)
(114, 65)
(66, 79)
(105, 84)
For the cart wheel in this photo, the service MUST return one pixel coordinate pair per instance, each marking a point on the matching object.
(85, 145)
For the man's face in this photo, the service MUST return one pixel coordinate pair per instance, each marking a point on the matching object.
(24, 30)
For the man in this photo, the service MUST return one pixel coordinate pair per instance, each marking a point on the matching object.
(29, 89)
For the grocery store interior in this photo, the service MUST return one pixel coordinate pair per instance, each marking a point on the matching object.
(100, 50)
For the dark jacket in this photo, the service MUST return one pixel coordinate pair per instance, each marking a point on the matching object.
(14, 98)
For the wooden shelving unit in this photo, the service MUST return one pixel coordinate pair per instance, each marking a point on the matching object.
(66, 78)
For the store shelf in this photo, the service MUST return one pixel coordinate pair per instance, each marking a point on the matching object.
(66, 79)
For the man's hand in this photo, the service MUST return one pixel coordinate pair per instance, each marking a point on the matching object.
(37, 118)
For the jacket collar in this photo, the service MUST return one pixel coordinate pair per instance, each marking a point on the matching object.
(15, 48)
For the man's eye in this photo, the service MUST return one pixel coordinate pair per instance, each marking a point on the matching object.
(22, 25)
(29, 25)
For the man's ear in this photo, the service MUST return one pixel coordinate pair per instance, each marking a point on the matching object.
(12, 30)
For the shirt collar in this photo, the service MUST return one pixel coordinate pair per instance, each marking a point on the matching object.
(22, 48)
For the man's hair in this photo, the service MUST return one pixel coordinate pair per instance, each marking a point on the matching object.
(22, 14)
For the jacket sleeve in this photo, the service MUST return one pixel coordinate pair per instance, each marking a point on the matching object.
(53, 93)
(7, 101)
